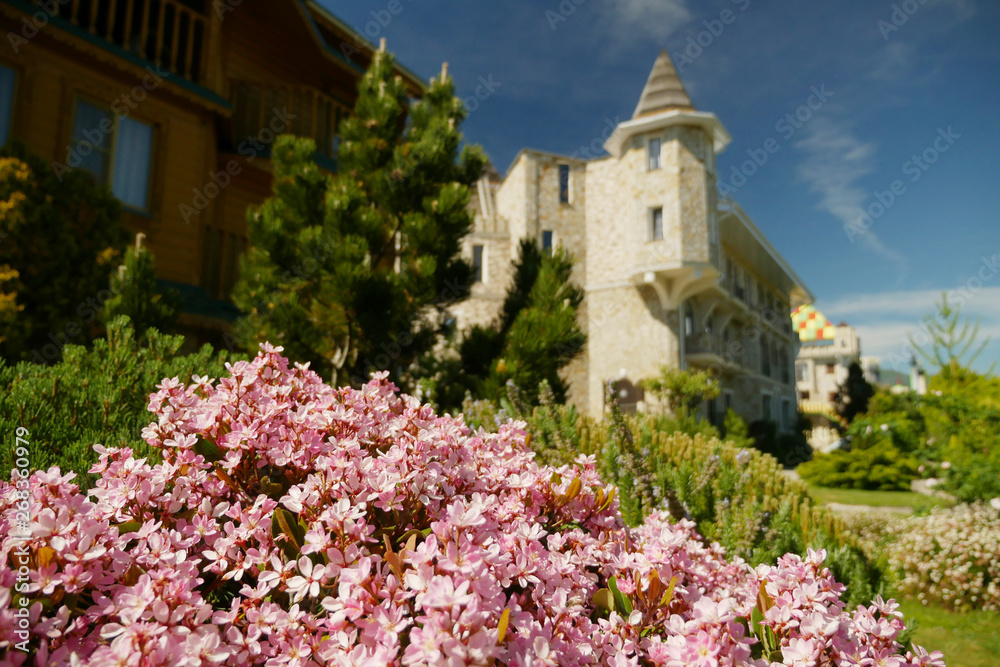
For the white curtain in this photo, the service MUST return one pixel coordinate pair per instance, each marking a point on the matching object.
(133, 159)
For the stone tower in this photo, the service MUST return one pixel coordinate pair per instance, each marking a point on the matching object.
(673, 276)
(651, 209)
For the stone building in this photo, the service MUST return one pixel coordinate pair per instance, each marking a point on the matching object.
(826, 353)
(674, 275)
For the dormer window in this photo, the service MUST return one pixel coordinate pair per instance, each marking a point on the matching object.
(656, 224)
(653, 154)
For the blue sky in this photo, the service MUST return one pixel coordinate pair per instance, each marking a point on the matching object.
(900, 80)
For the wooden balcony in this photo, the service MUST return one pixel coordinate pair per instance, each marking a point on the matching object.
(172, 34)
(311, 114)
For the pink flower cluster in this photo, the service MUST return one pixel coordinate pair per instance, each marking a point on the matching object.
(291, 523)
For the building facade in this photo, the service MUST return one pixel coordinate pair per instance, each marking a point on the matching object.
(174, 104)
(674, 276)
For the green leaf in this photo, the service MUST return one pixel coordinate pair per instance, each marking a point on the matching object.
(285, 525)
(129, 527)
(209, 450)
(621, 600)
(603, 599)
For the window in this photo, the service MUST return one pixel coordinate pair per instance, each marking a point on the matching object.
(656, 224)
(688, 320)
(564, 183)
(765, 358)
(7, 80)
(713, 412)
(728, 401)
(547, 242)
(654, 154)
(804, 395)
(766, 408)
(116, 150)
(477, 263)
(786, 414)
(802, 372)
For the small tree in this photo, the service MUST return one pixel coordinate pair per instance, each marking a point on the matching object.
(682, 391)
(853, 395)
(534, 336)
(953, 344)
(544, 335)
(347, 272)
(137, 295)
(62, 236)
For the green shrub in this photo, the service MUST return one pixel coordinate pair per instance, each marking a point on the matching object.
(94, 396)
(879, 467)
(62, 234)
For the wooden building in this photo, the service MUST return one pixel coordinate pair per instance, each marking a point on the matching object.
(174, 103)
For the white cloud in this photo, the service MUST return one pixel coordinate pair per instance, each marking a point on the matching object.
(659, 19)
(886, 321)
(835, 162)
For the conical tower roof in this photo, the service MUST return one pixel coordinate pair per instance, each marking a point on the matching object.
(663, 90)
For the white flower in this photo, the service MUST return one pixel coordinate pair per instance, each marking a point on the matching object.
(885, 427)
(995, 503)
(945, 465)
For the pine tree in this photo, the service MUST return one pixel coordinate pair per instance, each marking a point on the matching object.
(953, 346)
(533, 337)
(544, 335)
(853, 396)
(137, 295)
(347, 271)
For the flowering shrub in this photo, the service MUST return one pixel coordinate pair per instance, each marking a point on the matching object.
(291, 523)
(950, 557)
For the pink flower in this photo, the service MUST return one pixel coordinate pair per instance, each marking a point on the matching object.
(310, 580)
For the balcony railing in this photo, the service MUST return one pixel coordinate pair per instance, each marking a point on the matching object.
(300, 110)
(170, 33)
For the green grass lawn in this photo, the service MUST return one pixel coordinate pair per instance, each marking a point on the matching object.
(967, 640)
(824, 495)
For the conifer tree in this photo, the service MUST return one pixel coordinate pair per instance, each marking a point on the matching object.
(137, 295)
(954, 344)
(534, 336)
(347, 271)
(853, 396)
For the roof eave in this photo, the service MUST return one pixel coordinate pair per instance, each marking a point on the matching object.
(707, 121)
(729, 207)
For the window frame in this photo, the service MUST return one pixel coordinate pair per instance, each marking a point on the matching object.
(652, 157)
(653, 229)
(479, 269)
(565, 193)
(550, 236)
(113, 149)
